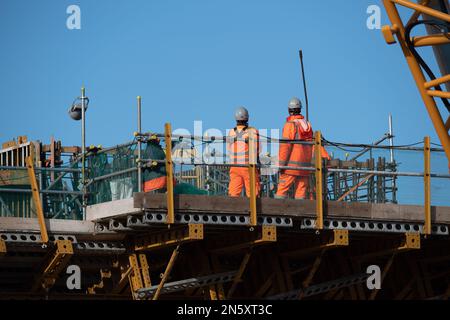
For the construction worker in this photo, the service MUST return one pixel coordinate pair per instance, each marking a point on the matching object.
(240, 141)
(155, 172)
(296, 155)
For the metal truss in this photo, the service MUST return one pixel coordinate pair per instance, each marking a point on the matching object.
(55, 261)
(339, 238)
(411, 241)
(166, 238)
(191, 283)
(374, 226)
(322, 287)
(268, 234)
(150, 219)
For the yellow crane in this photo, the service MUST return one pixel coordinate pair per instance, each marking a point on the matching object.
(436, 19)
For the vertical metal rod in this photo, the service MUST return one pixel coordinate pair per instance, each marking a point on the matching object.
(139, 144)
(83, 149)
(319, 176)
(300, 53)
(391, 144)
(427, 186)
(169, 174)
(252, 173)
(391, 139)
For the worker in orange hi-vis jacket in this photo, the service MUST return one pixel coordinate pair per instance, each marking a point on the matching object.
(239, 149)
(296, 155)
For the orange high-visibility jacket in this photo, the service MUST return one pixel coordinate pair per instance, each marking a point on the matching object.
(238, 145)
(296, 155)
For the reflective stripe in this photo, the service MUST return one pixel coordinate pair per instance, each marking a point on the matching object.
(300, 164)
(301, 126)
(239, 145)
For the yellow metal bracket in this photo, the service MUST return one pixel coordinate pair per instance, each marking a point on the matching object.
(55, 261)
(37, 200)
(2, 247)
(427, 186)
(169, 174)
(171, 237)
(411, 242)
(319, 179)
(388, 33)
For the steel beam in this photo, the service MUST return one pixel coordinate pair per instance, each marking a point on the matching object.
(322, 287)
(168, 238)
(191, 283)
(312, 272)
(167, 272)
(239, 274)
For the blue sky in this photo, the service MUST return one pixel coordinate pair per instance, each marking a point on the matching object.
(198, 60)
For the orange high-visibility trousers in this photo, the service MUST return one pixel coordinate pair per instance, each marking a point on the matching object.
(286, 181)
(240, 177)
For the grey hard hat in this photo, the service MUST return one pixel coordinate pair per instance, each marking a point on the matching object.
(241, 114)
(295, 103)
